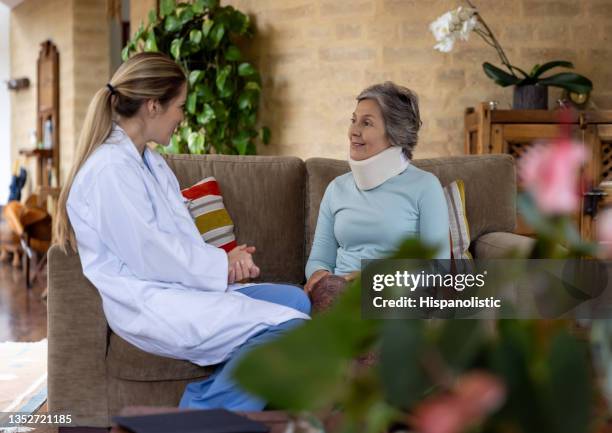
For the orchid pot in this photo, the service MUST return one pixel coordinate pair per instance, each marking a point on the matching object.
(530, 97)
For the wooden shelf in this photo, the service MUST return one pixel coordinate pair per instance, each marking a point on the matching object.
(514, 131)
(39, 153)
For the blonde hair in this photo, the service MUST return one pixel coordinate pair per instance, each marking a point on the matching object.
(143, 77)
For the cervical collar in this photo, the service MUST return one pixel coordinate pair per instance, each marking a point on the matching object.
(376, 170)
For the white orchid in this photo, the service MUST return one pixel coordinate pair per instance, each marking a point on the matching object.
(453, 25)
(457, 25)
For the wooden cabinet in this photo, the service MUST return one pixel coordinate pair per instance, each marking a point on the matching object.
(513, 131)
(47, 174)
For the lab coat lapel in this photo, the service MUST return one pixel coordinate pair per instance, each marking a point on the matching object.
(169, 188)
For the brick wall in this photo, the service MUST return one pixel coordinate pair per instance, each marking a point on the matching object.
(80, 31)
(315, 57)
(139, 12)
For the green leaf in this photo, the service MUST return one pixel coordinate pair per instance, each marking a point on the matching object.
(206, 115)
(152, 16)
(174, 144)
(246, 69)
(211, 4)
(248, 119)
(205, 92)
(244, 101)
(252, 85)
(195, 36)
(139, 32)
(220, 111)
(171, 24)
(195, 76)
(233, 53)
(222, 77)
(509, 361)
(264, 134)
(241, 141)
(460, 342)
(540, 69)
(400, 364)
(198, 6)
(125, 53)
(175, 48)
(571, 391)
(186, 15)
(239, 22)
(151, 43)
(192, 99)
(217, 34)
(185, 131)
(206, 26)
(166, 7)
(569, 81)
(196, 143)
(500, 77)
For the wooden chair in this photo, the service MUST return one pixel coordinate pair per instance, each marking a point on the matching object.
(32, 224)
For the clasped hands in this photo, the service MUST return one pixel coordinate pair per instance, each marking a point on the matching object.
(241, 266)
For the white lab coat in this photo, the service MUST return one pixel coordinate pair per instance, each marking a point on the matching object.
(163, 288)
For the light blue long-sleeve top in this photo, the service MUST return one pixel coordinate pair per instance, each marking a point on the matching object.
(355, 224)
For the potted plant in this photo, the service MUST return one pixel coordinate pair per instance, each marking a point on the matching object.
(224, 88)
(530, 89)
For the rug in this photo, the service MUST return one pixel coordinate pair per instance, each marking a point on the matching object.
(23, 376)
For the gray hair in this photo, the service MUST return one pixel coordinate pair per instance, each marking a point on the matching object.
(400, 111)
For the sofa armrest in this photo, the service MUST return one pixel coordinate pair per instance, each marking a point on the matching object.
(77, 333)
(498, 245)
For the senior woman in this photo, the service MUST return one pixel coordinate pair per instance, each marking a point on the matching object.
(384, 199)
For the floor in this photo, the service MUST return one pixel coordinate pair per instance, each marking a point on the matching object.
(23, 313)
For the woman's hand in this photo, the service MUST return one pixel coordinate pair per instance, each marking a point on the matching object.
(240, 264)
(314, 279)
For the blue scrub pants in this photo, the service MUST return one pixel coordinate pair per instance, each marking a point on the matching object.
(219, 390)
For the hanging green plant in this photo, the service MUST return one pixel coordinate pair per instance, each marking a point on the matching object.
(224, 89)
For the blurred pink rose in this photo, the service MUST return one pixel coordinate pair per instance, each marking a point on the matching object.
(550, 172)
(440, 414)
(481, 392)
(475, 395)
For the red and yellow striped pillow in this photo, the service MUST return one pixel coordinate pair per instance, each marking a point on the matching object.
(209, 214)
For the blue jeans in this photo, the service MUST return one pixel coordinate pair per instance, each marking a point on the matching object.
(219, 390)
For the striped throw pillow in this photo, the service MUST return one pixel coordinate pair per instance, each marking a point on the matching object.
(209, 214)
(459, 228)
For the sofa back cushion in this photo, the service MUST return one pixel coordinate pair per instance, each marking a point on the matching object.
(490, 189)
(265, 198)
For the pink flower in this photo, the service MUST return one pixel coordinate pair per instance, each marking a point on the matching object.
(550, 172)
(481, 392)
(474, 396)
(441, 414)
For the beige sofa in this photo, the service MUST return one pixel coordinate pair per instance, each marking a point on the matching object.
(274, 202)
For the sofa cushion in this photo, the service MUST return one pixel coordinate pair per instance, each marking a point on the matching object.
(125, 361)
(502, 245)
(265, 197)
(490, 188)
(209, 214)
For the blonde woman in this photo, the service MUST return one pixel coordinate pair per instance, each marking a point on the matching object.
(163, 288)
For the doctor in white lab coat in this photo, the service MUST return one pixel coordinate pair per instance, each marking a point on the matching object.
(163, 288)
